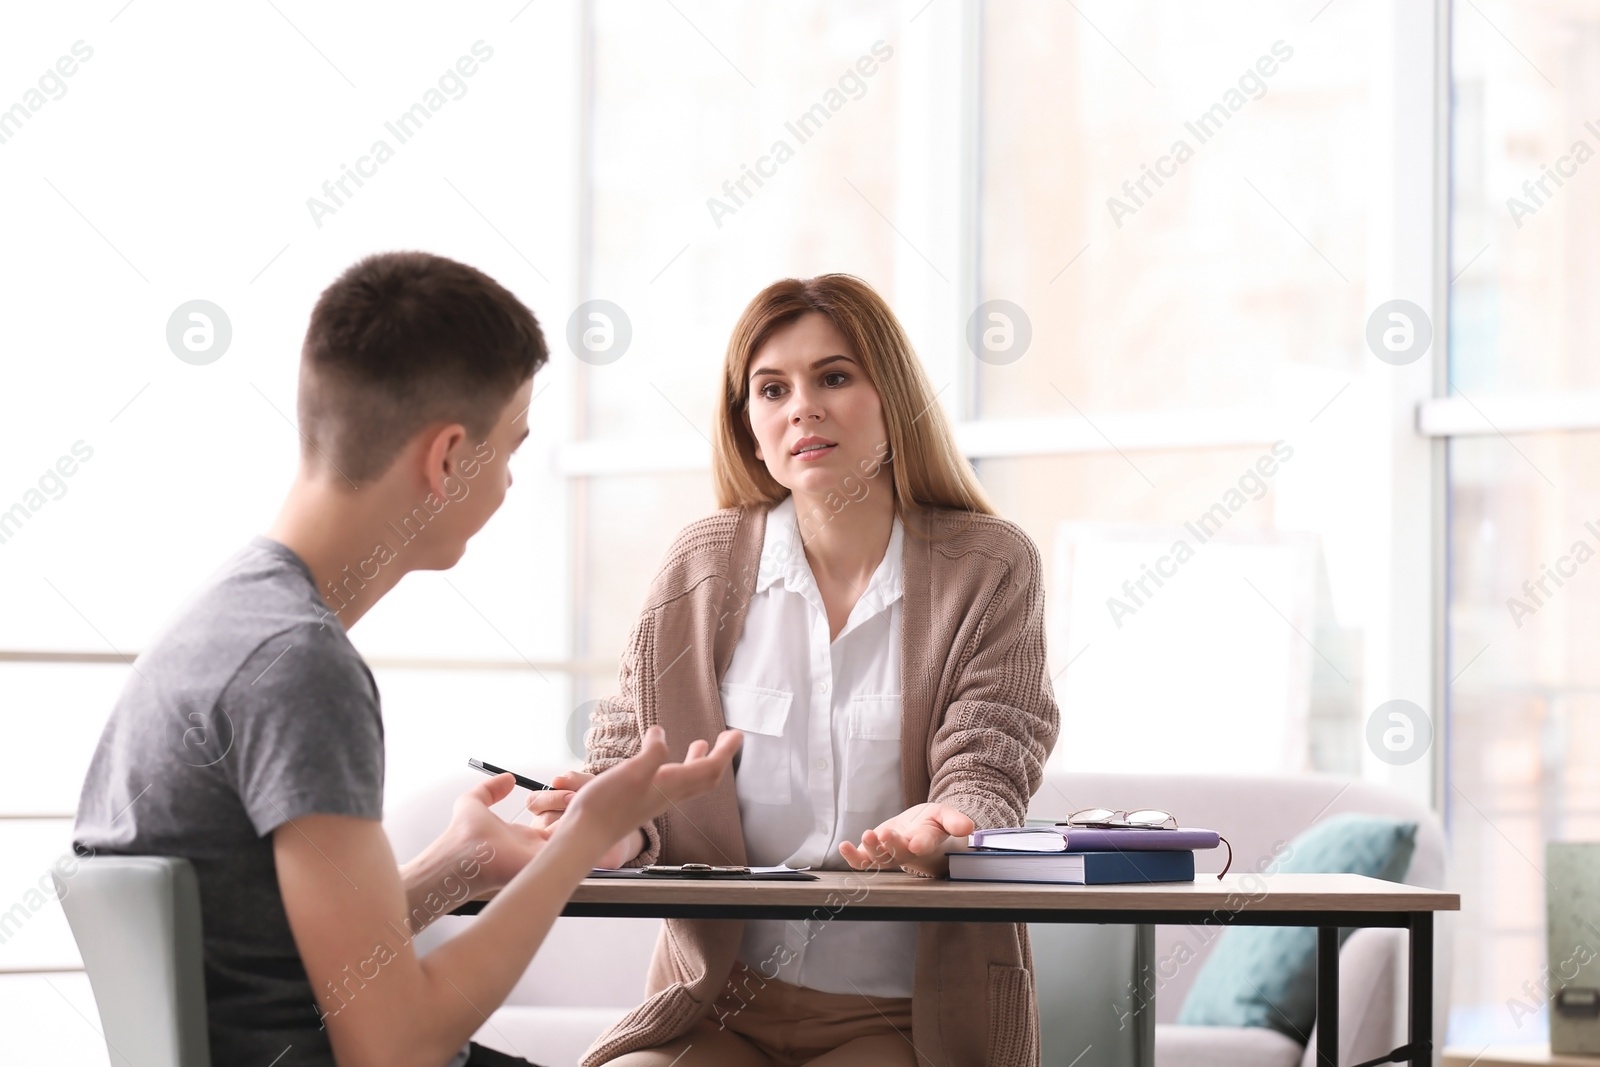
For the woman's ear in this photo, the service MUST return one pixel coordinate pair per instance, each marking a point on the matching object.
(754, 440)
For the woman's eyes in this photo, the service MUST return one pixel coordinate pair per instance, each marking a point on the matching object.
(834, 379)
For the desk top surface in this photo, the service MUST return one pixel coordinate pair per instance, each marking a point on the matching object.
(894, 889)
(1513, 1057)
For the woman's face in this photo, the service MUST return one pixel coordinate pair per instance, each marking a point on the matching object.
(815, 417)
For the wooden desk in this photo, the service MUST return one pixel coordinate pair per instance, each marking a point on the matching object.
(1325, 901)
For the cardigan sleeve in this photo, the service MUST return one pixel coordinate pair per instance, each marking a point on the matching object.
(617, 724)
(989, 751)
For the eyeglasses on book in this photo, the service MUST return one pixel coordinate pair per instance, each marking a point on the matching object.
(1139, 819)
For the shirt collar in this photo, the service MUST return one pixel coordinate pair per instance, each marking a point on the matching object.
(783, 559)
(780, 546)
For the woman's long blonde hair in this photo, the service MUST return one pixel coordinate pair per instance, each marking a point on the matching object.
(927, 469)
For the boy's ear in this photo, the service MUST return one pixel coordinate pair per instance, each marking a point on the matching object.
(437, 456)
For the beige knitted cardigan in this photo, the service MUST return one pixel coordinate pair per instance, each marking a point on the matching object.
(978, 719)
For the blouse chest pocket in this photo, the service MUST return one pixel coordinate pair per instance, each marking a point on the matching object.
(762, 715)
(872, 767)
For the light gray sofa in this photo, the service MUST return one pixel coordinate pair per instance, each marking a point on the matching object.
(590, 971)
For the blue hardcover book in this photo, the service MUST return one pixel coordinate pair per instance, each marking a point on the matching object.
(1072, 868)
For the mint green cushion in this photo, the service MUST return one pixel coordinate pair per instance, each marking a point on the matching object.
(1267, 975)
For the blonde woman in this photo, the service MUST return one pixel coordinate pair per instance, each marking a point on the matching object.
(858, 611)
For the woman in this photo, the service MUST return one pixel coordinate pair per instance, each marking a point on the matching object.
(878, 635)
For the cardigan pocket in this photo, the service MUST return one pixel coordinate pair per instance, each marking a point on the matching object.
(1013, 1027)
(762, 714)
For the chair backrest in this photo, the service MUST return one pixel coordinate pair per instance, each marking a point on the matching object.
(137, 923)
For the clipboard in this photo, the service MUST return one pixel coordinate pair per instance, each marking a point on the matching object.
(704, 872)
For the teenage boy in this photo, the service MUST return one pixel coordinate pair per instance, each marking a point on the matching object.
(249, 737)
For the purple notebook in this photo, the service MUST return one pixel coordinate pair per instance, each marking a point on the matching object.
(1092, 839)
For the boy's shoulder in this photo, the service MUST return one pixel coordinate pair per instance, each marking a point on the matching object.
(250, 672)
(255, 630)
(262, 596)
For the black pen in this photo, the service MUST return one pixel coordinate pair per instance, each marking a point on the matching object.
(489, 768)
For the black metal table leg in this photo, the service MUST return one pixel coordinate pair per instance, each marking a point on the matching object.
(1421, 966)
(1145, 1055)
(1327, 996)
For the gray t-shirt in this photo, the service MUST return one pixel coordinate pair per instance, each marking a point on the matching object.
(251, 708)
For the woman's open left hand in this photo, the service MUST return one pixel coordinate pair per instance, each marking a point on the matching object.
(914, 840)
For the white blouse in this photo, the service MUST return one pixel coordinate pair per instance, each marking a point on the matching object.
(821, 757)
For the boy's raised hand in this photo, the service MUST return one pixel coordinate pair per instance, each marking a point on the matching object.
(503, 848)
(638, 789)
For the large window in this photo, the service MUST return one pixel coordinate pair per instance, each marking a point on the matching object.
(1183, 218)
(1521, 413)
(1168, 334)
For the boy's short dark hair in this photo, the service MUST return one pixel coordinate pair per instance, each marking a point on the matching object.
(404, 339)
